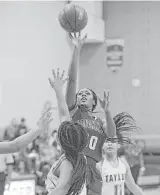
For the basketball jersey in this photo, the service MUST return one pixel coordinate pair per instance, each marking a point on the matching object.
(53, 176)
(96, 136)
(113, 178)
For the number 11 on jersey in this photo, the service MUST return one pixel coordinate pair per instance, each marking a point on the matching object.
(118, 190)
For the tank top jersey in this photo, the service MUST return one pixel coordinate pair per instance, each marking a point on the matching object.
(113, 178)
(96, 135)
(53, 176)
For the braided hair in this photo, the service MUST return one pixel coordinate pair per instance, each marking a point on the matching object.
(125, 124)
(73, 139)
(94, 98)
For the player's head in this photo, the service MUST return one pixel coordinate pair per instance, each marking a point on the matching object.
(86, 97)
(73, 139)
(125, 124)
(111, 146)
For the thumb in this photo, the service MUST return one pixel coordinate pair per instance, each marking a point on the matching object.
(50, 82)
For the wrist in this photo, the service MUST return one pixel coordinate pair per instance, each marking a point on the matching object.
(107, 111)
(58, 89)
(77, 49)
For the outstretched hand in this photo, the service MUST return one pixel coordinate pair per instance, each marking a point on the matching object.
(104, 103)
(77, 40)
(46, 117)
(58, 80)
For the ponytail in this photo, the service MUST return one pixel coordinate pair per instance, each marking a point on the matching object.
(73, 139)
(79, 175)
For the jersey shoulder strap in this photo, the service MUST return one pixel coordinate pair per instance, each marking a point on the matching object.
(57, 163)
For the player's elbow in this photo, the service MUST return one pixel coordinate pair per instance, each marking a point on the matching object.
(65, 118)
(132, 187)
(60, 190)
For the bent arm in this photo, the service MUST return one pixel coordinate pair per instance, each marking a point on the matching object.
(64, 179)
(109, 125)
(62, 106)
(72, 74)
(19, 143)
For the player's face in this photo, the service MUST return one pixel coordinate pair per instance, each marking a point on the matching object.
(85, 97)
(110, 147)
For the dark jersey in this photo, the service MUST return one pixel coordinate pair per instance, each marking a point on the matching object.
(96, 136)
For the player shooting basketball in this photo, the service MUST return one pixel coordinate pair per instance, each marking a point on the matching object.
(82, 104)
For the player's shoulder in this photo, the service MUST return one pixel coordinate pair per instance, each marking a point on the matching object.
(100, 164)
(123, 160)
(66, 164)
(75, 113)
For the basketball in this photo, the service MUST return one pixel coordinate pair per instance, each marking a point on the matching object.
(73, 18)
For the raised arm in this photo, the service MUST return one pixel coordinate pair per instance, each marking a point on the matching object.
(73, 70)
(57, 84)
(109, 124)
(22, 141)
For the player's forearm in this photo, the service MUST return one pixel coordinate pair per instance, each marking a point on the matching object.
(136, 190)
(22, 141)
(72, 74)
(19, 143)
(59, 190)
(110, 127)
(62, 106)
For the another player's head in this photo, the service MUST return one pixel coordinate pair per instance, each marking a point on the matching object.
(125, 124)
(110, 147)
(73, 139)
(87, 98)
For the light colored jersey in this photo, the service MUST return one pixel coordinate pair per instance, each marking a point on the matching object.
(113, 178)
(53, 176)
(84, 190)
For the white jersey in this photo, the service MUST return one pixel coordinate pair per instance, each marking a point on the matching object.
(52, 177)
(113, 178)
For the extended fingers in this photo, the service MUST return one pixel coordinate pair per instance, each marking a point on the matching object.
(106, 95)
(79, 35)
(71, 36)
(58, 73)
(54, 74)
(47, 106)
(62, 75)
(51, 82)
